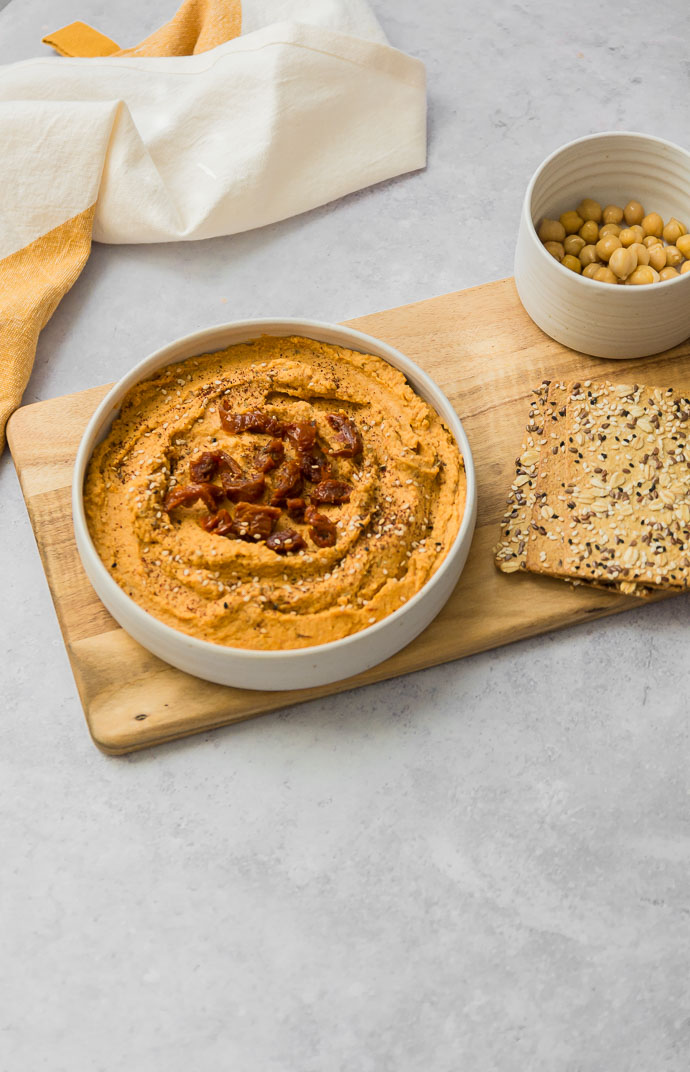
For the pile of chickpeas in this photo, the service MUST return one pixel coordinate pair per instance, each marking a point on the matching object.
(618, 245)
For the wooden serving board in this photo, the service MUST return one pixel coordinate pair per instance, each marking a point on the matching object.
(487, 355)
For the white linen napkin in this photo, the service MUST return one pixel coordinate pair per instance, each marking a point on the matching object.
(307, 104)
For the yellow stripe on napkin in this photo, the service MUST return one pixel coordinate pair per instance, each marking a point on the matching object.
(79, 39)
(198, 26)
(32, 282)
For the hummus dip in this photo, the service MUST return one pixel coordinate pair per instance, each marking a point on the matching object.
(277, 494)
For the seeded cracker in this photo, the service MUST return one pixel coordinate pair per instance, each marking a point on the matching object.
(511, 551)
(552, 517)
(545, 547)
(629, 522)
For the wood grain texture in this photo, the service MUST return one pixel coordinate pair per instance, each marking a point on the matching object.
(487, 355)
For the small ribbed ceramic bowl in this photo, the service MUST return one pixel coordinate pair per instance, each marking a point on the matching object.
(299, 667)
(598, 318)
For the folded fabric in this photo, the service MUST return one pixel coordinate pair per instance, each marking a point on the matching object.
(199, 131)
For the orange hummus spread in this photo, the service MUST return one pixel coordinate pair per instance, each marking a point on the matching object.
(278, 494)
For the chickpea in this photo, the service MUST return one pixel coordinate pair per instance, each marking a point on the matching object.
(657, 256)
(623, 261)
(612, 214)
(683, 244)
(589, 231)
(616, 245)
(641, 252)
(590, 210)
(652, 224)
(673, 256)
(555, 249)
(643, 275)
(574, 244)
(572, 222)
(571, 262)
(673, 230)
(551, 231)
(605, 275)
(633, 212)
(606, 245)
(588, 255)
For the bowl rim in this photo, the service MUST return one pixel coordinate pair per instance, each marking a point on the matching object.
(109, 407)
(532, 230)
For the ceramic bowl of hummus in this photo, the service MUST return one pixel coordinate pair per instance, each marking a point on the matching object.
(274, 504)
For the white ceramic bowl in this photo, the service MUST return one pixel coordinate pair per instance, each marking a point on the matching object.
(596, 318)
(300, 667)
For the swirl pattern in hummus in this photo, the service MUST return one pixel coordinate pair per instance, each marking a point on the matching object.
(405, 507)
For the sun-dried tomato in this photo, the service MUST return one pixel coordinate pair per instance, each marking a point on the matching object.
(284, 541)
(227, 464)
(253, 420)
(210, 462)
(249, 490)
(211, 495)
(331, 491)
(254, 522)
(288, 482)
(349, 441)
(270, 456)
(188, 494)
(220, 523)
(296, 508)
(315, 465)
(322, 531)
(204, 467)
(302, 434)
